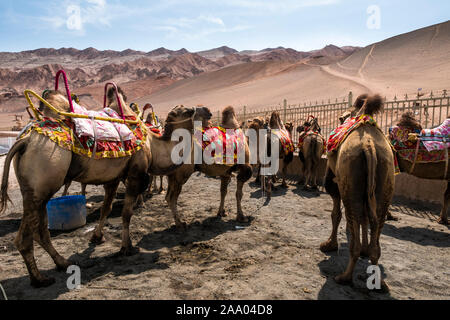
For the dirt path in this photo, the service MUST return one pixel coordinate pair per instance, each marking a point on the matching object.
(276, 256)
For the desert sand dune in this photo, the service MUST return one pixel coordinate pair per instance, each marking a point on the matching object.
(399, 65)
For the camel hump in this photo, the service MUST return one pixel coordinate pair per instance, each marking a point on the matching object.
(372, 105)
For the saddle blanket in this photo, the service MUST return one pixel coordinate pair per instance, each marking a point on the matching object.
(219, 142)
(338, 135)
(438, 138)
(63, 133)
(106, 131)
(285, 140)
(406, 149)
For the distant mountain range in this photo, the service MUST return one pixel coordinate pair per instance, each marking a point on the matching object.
(35, 69)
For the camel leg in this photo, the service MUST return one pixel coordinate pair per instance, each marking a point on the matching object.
(161, 187)
(336, 215)
(66, 188)
(444, 215)
(365, 240)
(239, 194)
(245, 173)
(355, 250)
(24, 243)
(284, 173)
(172, 195)
(127, 248)
(83, 189)
(258, 174)
(110, 192)
(42, 236)
(224, 182)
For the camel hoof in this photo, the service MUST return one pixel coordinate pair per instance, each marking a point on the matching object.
(329, 246)
(343, 280)
(64, 265)
(222, 213)
(242, 219)
(364, 253)
(128, 251)
(45, 282)
(443, 221)
(97, 240)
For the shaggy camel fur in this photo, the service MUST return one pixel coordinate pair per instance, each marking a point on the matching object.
(434, 171)
(178, 178)
(361, 173)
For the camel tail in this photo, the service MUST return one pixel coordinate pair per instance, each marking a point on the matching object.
(371, 159)
(4, 198)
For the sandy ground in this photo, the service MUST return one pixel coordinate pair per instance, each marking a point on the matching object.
(275, 256)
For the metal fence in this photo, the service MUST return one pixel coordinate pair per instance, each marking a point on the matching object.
(430, 109)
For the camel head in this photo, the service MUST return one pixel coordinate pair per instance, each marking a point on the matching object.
(184, 117)
(229, 120)
(275, 121)
(315, 125)
(408, 120)
(359, 102)
(57, 100)
(289, 127)
(256, 123)
(111, 102)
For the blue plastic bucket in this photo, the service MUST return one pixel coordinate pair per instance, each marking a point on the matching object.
(66, 213)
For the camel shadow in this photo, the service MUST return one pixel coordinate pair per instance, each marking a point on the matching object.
(91, 269)
(9, 226)
(420, 236)
(196, 231)
(308, 194)
(358, 290)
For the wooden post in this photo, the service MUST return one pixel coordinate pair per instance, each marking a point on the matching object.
(350, 99)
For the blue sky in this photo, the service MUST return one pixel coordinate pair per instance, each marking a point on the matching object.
(199, 25)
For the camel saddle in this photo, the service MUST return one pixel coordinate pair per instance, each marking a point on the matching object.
(64, 134)
(286, 142)
(417, 151)
(224, 145)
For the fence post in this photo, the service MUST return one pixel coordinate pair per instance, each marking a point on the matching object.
(284, 107)
(350, 99)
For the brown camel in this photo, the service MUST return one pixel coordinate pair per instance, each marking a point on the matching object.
(434, 171)
(311, 151)
(180, 176)
(361, 173)
(36, 151)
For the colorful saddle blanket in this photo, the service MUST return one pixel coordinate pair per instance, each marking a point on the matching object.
(302, 138)
(438, 138)
(339, 134)
(285, 140)
(63, 133)
(406, 149)
(223, 145)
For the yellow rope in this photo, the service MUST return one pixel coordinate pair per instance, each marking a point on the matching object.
(69, 114)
